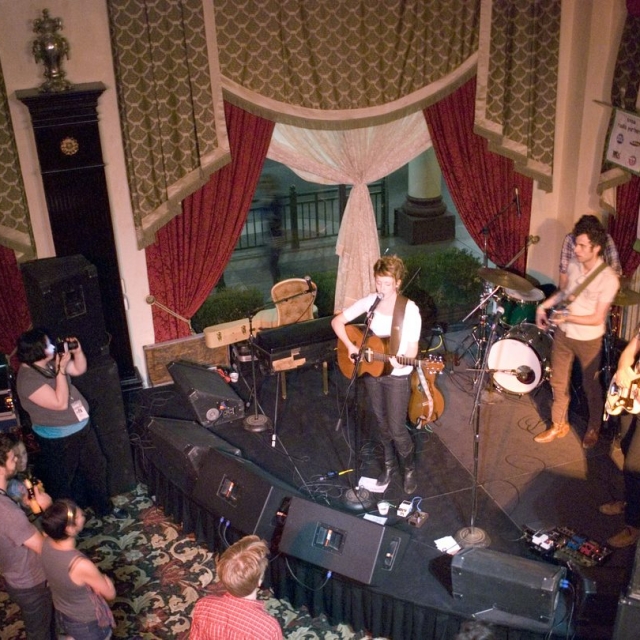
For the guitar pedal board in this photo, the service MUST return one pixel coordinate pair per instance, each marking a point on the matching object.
(565, 545)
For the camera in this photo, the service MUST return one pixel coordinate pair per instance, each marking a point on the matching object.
(64, 345)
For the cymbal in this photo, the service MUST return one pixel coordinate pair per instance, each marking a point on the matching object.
(626, 298)
(505, 279)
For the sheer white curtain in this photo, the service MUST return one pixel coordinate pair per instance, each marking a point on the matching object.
(356, 157)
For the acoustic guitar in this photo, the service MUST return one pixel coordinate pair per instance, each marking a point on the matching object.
(427, 402)
(375, 360)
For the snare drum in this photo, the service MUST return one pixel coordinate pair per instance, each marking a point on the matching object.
(522, 346)
(519, 306)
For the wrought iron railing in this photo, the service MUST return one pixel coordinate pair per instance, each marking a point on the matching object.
(312, 215)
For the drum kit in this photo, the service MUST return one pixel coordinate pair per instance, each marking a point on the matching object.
(509, 344)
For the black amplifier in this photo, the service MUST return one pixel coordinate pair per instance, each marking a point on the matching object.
(296, 345)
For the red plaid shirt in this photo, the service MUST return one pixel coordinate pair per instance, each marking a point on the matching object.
(226, 617)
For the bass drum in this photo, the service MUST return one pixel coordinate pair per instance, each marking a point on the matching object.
(523, 349)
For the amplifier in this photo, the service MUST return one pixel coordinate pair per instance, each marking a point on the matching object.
(212, 400)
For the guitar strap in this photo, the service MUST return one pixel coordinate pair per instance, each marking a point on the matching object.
(396, 324)
(584, 284)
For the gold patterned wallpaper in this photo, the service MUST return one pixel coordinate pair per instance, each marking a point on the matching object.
(517, 79)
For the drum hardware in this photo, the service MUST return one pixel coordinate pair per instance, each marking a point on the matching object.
(626, 298)
(505, 279)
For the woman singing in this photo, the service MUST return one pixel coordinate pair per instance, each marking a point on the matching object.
(389, 394)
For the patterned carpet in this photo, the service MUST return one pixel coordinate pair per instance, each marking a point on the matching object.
(159, 575)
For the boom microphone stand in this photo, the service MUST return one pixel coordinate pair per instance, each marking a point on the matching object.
(473, 536)
(357, 497)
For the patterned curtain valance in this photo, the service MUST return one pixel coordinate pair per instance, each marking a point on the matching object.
(15, 225)
(170, 101)
(344, 63)
(624, 93)
(517, 82)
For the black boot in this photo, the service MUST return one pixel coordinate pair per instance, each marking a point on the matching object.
(410, 484)
(390, 465)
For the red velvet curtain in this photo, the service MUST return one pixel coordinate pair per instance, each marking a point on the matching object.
(623, 227)
(14, 310)
(481, 183)
(192, 250)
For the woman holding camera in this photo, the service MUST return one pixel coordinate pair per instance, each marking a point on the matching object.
(71, 463)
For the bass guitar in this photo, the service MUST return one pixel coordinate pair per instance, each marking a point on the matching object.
(621, 399)
(375, 360)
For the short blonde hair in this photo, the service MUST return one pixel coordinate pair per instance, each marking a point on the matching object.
(390, 266)
(242, 566)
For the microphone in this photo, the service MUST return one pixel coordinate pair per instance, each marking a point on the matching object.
(518, 202)
(376, 302)
(308, 281)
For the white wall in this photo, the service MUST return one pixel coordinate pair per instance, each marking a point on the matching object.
(591, 31)
(85, 26)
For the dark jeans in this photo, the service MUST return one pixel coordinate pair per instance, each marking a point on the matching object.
(630, 445)
(36, 606)
(563, 353)
(389, 401)
(82, 630)
(67, 464)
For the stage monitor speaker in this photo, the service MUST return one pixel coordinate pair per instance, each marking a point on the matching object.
(250, 499)
(179, 448)
(505, 589)
(341, 542)
(63, 295)
(627, 624)
(213, 401)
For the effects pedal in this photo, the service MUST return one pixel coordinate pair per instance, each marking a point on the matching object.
(418, 518)
(404, 509)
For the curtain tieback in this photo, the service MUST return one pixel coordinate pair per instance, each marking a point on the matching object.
(152, 301)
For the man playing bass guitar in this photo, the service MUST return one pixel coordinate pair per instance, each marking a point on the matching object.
(626, 379)
(398, 318)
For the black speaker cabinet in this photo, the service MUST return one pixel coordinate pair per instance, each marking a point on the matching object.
(100, 385)
(341, 542)
(627, 623)
(180, 447)
(237, 490)
(64, 297)
(211, 398)
(506, 589)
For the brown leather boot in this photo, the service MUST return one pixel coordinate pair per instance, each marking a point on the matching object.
(390, 465)
(557, 430)
(590, 438)
(625, 538)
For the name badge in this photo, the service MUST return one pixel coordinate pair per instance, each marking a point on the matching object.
(79, 410)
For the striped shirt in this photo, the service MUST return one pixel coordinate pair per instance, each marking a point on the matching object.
(226, 617)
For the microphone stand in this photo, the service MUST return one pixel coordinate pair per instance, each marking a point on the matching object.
(473, 536)
(358, 498)
(260, 422)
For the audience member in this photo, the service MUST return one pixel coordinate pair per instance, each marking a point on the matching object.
(22, 486)
(235, 612)
(475, 630)
(20, 549)
(71, 463)
(80, 590)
